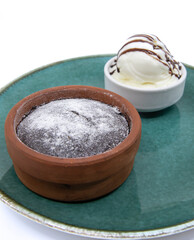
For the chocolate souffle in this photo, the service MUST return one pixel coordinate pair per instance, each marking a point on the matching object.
(73, 128)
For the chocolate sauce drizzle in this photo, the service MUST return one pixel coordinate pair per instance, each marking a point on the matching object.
(173, 66)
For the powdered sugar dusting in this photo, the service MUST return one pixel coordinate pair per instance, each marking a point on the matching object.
(73, 128)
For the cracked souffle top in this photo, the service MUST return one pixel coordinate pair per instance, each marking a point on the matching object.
(72, 128)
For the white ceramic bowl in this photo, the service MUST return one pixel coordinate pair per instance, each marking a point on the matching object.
(146, 100)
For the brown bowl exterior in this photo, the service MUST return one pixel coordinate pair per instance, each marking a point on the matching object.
(72, 179)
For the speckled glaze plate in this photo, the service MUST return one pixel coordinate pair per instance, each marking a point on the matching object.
(157, 199)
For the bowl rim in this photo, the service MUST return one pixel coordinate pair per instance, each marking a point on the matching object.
(146, 90)
(10, 131)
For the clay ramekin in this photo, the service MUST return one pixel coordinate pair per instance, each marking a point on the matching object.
(72, 179)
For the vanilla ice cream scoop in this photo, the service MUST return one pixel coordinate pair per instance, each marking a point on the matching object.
(144, 61)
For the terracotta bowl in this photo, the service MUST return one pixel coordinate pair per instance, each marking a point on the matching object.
(72, 179)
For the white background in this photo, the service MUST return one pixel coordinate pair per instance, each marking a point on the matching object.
(35, 33)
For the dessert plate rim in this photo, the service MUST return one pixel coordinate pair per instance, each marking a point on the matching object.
(80, 231)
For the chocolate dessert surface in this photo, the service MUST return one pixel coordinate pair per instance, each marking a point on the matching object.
(73, 128)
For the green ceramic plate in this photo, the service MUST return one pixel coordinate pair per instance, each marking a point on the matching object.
(157, 198)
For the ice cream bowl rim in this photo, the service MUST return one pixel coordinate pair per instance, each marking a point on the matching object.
(141, 89)
(72, 179)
